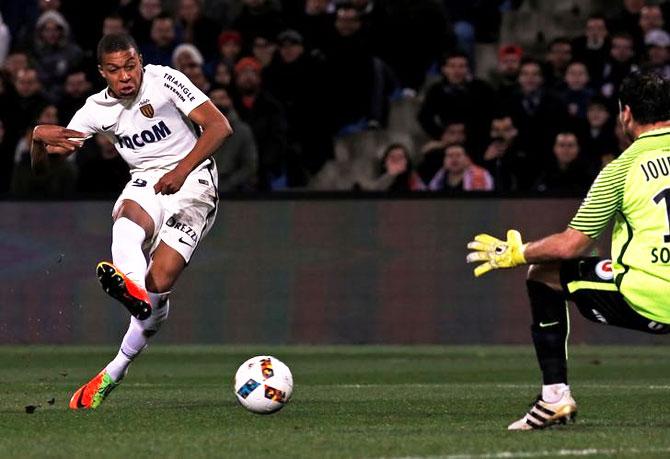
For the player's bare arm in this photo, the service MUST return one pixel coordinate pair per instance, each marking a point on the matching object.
(52, 139)
(215, 128)
(560, 246)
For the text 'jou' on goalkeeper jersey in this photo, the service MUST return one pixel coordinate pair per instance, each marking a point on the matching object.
(634, 189)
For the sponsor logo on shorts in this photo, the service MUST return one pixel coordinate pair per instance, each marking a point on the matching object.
(191, 235)
(604, 270)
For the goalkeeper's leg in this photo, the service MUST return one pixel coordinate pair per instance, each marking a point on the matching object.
(549, 330)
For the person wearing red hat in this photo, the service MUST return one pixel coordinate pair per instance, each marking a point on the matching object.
(229, 49)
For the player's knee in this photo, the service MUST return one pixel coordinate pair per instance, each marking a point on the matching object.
(126, 236)
(548, 274)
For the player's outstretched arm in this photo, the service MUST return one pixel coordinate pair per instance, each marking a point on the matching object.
(52, 139)
(215, 129)
(495, 253)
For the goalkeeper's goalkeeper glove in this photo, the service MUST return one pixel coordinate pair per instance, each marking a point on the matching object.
(496, 253)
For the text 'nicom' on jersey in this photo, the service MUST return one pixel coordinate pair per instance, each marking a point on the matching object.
(157, 133)
(178, 88)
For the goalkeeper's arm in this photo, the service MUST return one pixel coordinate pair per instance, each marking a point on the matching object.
(513, 252)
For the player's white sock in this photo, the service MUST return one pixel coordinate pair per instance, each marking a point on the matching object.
(138, 335)
(127, 255)
(552, 393)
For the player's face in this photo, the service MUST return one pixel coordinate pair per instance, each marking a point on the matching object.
(123, 72)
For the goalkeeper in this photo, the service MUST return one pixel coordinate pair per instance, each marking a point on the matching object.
(632, 289)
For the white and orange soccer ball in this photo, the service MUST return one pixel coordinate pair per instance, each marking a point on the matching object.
(263, 384)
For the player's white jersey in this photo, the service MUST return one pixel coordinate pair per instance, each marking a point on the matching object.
(151, 131)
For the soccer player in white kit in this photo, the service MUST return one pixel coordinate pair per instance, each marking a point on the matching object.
(166, 129)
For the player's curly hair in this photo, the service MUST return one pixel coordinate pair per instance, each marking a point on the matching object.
(648, 96)
(114, 42)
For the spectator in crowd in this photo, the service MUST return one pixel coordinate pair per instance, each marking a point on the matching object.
(315, 23)
(15, 61)
(75, 91)
(266, 117)
(413, 35)
(27, 101)
(457, 95)
(142, 20)
(196, 74)
(350, 69)
(432, 152)
(396, 172)
(237, 157)
(575, 90)
(258, 18)
(505, 76)
(567, 172)
(186, 56)
(223, 76)
(503, 158)
(5, 41)
(538, 113)
(55, 54)
(620, 63)
(163, 41)
(26, 32)
(559, 55)
(657, 54)
(230, 46)
(6, 160)
(296, 78)
(627, 18)
(61, 176)
(113, 23)
(651, 18)
(263, 49)
(197, 28)
(459, 173)
(101, 168)
(593, 47)
(599, 141)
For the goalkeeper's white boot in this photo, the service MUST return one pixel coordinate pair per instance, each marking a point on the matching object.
(543, 414)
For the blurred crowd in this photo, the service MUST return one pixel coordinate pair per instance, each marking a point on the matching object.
(299, 78)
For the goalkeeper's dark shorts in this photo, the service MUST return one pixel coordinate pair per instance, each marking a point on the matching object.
(589, 283)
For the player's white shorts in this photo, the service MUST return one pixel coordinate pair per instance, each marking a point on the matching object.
(181, 219)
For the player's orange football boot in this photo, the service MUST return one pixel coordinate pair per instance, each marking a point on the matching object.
(118, 286)
(93, 393)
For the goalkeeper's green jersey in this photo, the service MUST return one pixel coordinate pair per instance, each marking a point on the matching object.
(635, 190)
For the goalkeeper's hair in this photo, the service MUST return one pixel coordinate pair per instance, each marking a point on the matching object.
(114, 42)
(648, 96)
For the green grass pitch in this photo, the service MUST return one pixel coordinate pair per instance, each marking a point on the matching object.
(348, 402)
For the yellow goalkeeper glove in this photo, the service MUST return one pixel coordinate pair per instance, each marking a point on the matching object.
(496, 253)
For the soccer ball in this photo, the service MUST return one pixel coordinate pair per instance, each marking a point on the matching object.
(263, 384)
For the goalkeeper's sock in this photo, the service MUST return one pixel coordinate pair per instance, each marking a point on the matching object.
(550, 331)
(127, 240)
(552, 393)
(138, 334)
